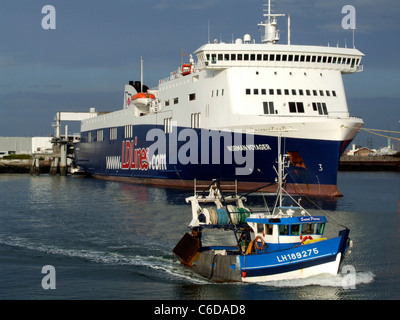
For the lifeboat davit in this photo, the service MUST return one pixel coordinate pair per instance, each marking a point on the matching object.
(142, 98)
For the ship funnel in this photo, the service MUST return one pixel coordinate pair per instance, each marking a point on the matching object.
(268, 29)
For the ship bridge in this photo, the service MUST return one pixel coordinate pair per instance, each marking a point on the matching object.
(221, 56)
(246, 53)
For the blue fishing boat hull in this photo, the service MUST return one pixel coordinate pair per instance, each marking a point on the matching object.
(225, 264)
(298, 262)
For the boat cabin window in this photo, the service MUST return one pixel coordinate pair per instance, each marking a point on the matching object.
(320, 228)
(287, 230)
(284, 230)
(308, 228)
(265, 228)
(297, 229)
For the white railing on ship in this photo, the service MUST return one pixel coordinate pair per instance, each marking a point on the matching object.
(178, 73)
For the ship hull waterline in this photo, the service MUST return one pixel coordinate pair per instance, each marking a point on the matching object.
(312, 171)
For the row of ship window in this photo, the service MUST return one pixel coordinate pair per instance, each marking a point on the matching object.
(281, 57)
(296, 107)
(292, 92)
(269, 108)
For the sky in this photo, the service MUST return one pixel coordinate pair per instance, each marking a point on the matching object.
(96, 45)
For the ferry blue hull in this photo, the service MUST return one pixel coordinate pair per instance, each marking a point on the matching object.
(172, 162)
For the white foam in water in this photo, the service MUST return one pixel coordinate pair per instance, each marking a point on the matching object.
(154, 262)
(324, 280)
(175, 270)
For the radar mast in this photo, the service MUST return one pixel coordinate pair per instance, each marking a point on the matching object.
(269, 32)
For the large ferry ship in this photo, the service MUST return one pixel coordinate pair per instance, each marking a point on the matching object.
(219, 116)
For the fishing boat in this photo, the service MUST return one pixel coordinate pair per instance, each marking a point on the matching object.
(284, 243)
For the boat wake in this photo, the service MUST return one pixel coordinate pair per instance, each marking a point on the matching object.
(325, 280)
(162, 262)
(154, 259)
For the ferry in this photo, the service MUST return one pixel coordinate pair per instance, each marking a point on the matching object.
(218, 117)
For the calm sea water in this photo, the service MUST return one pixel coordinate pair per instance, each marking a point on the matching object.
(109, 240)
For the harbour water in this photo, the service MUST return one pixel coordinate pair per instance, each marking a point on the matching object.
(111, 240)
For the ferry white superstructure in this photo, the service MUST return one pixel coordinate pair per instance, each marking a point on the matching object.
(234, 98)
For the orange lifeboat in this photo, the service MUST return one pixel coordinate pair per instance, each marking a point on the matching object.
(186, 69)
(143, 95)
(142, 98)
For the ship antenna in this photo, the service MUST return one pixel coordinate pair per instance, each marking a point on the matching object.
(269, 32)
(141, 74)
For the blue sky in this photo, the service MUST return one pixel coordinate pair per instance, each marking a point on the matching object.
(96, 48)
